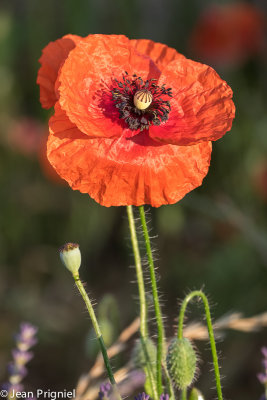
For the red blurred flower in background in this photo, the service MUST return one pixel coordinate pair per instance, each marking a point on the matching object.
(134, 119)
(259, 179)
(28, 137)
(229, 34)
(25, 136)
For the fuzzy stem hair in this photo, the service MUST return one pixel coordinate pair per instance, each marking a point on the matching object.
(139, 274)
(188, 298)
(98, 333)
(158, 314)
(142, 299)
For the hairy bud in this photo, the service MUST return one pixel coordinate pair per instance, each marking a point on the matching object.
(181, 362)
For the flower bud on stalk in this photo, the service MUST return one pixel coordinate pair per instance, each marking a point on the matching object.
(71, 257)
(181, 362)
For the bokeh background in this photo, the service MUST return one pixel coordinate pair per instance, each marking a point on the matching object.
(215, 238)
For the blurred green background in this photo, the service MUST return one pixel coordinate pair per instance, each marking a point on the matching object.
(214, 238)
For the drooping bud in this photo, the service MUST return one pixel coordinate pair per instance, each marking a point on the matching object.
(195, 394)
(71, 257)
(142, 99)
(181, 362)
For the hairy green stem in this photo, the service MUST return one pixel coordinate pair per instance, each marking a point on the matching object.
(183, 394)
(188, 298)
(98, 333)
(170, 390)
(139, 274)
(142, 299)
(156, 299)
(150, 375)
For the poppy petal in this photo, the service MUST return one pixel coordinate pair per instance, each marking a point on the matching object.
(161, 54)
(201, 108)
(54, 54)
(125, 170)
(86, 82)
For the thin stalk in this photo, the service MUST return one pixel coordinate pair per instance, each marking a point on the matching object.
(170, 390)
(183, 394)
(139, 274)
(98, 333)
(149, 374)
(188, 298)
(142, 300)
(156, 299)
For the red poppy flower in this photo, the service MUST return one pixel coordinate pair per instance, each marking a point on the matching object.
(229, 34)
(48, 171)
(54, 55)
(134, 119)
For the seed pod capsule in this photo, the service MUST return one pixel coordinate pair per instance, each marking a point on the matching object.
(71, 257)
(181, 362)
(142, 99)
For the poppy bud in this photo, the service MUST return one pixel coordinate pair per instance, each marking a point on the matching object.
(144, 352)
(71, 257)
(195, 394)
(142, 99)
(181, 362)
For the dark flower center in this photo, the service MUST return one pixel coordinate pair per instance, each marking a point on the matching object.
(141, 103)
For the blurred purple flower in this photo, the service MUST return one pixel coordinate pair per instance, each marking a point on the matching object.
(264, 352)
(142, 396)
(25, 339)
(105, 391)
(21, 357)
(16, 388)
(16, 372)
(132, 383)
(262, 377)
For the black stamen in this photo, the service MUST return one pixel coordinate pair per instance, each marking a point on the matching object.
(123, 97)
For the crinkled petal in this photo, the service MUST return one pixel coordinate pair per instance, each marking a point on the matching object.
(161, 54)
(125, 170)
(86, 82)
(53, 56)
(201, 108)
(48, 171)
